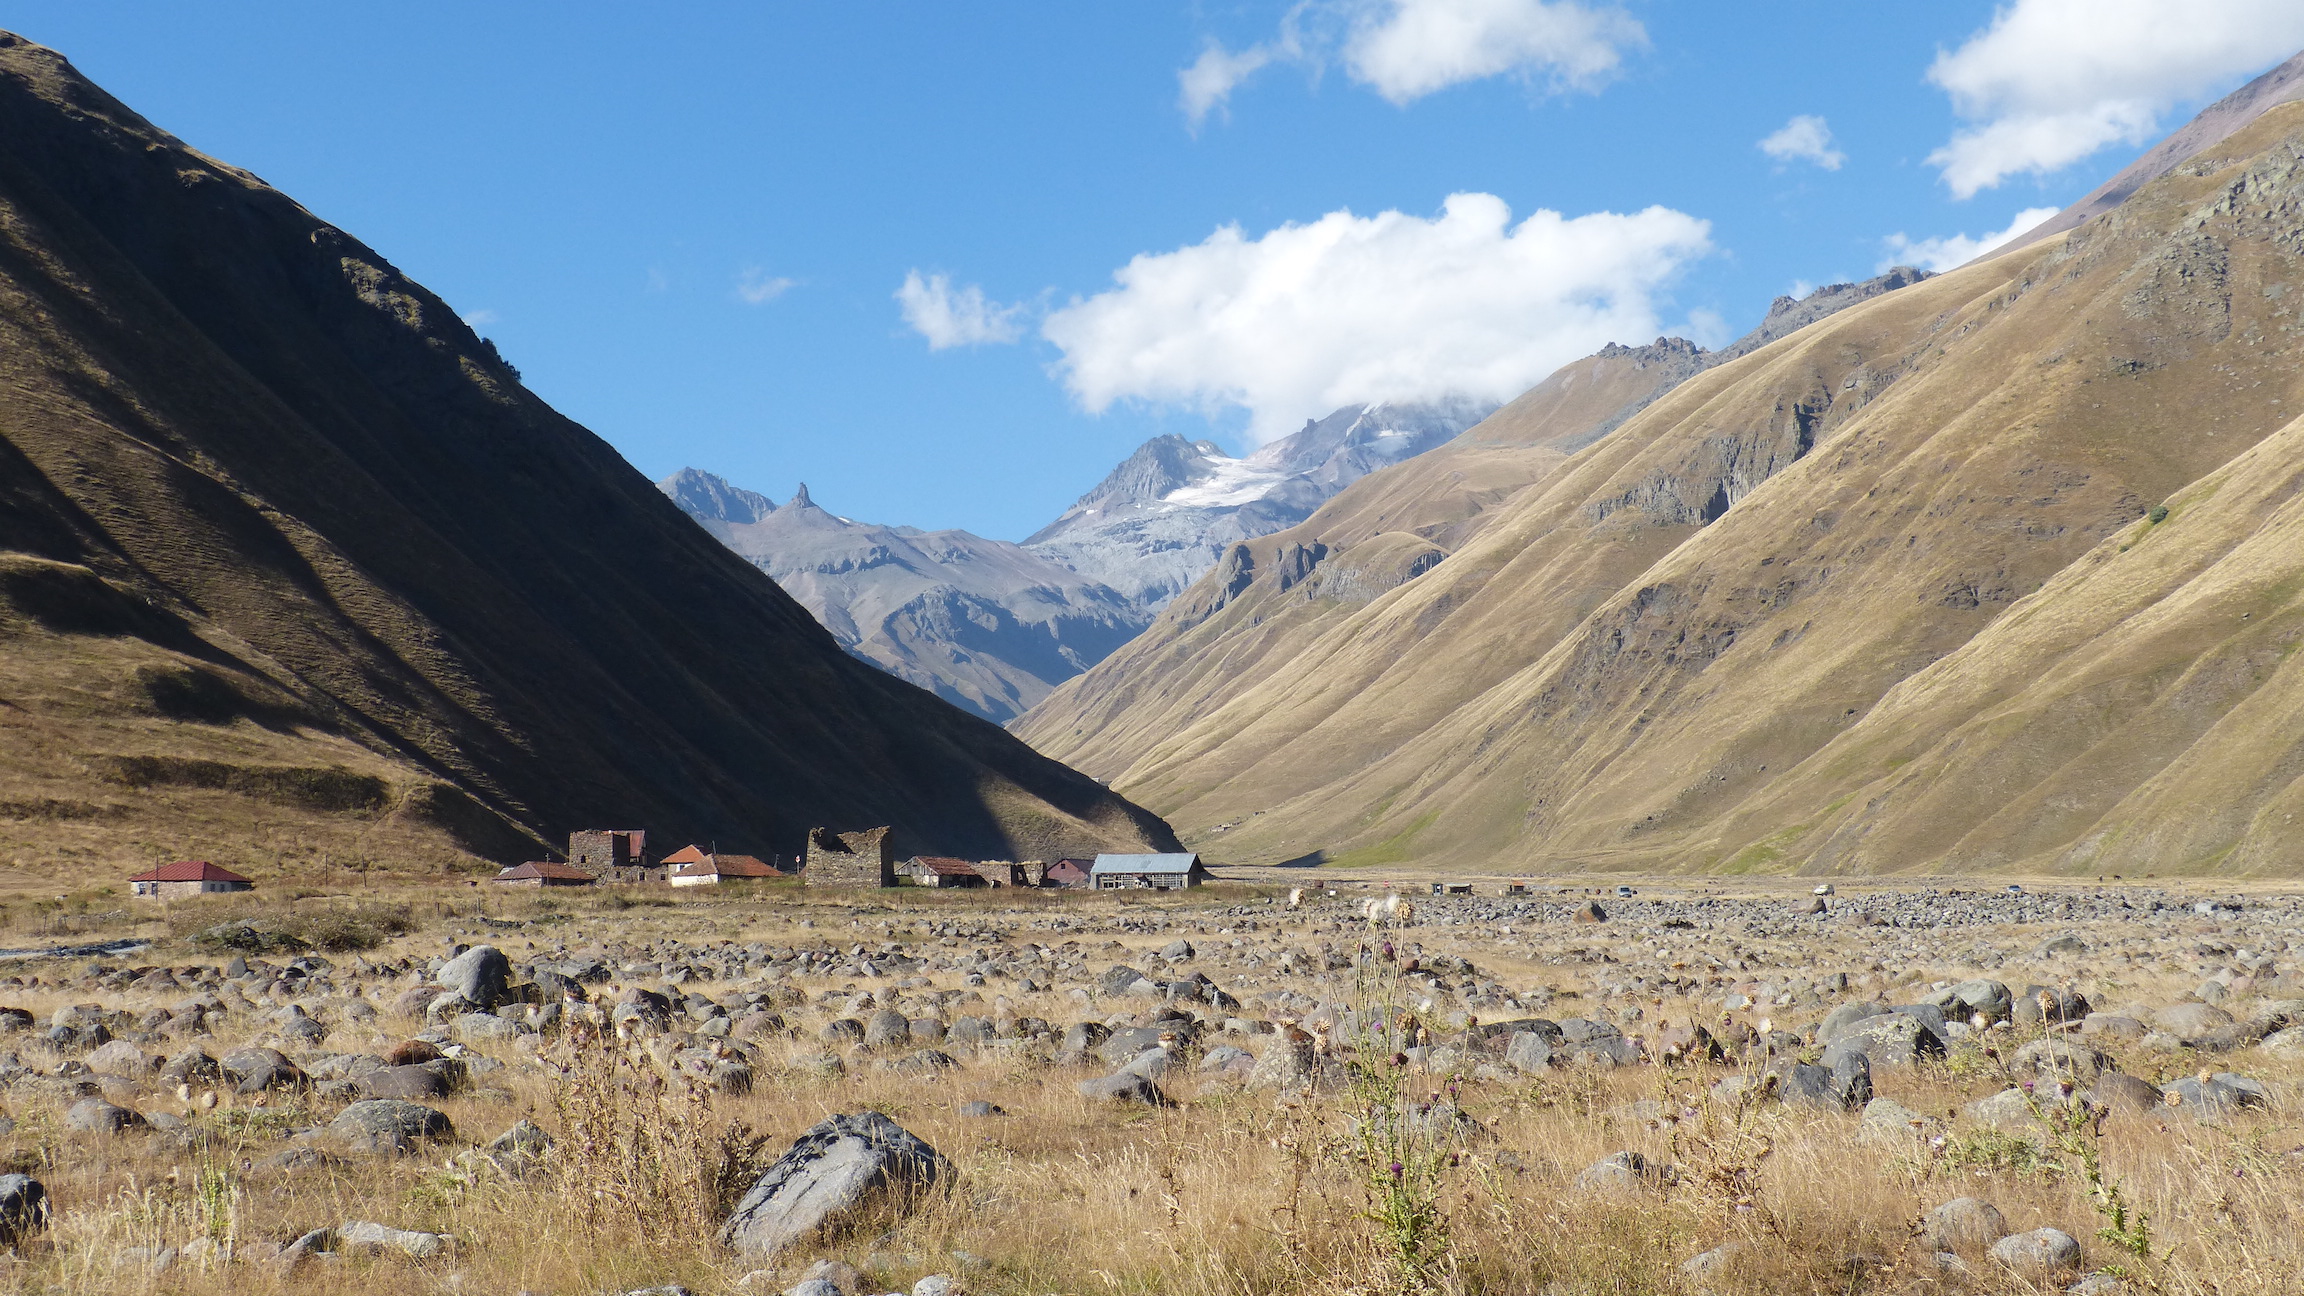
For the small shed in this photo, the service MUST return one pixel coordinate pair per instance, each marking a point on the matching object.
(715, 868)
(543, 873)
(1157, 872)
(1066, 873)
(186, 878)
(941, 871)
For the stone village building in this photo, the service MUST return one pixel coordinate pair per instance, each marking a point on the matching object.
(856, 859)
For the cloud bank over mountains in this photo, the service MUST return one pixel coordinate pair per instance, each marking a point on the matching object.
(1407, 49)
(2052, 81)
(1351, 309)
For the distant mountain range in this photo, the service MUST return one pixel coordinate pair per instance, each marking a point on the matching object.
(1171, 509)
(993, 626)
(984, 624)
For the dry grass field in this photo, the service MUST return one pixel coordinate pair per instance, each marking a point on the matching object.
(1438, 1167)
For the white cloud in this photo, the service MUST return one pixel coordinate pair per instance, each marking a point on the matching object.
(1954, 250)
(757, 286)
(1208, 84)
(1804, 139)
(1406, 49)
(953, 319)
(2052, 81)
(1306, 318)
(481, 319)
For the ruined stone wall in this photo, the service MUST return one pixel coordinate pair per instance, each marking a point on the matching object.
(855, 859)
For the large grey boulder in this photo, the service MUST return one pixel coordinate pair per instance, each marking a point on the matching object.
(420, 1081)
(255, 1070)
(2124, 1093)
(1528, 1051)
(479, 976)
(96, 1116)
(827, 1174)
(2060, 1059)
(388, 1126)
(2007, 1109)
(2191, 1021)
(887, 1029)
(368, 1236)
(1894, 1040)
(1963, 1224)
(2040, 1254)
(1970, 998)
(1284, 1063)
(1845, 1018)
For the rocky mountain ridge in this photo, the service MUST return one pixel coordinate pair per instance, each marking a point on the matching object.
(1164, 516)
(984, 624)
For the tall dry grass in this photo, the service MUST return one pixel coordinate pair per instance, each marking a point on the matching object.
(1231, 1193)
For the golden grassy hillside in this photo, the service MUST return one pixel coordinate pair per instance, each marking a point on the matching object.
(294, 572)
(1672, 650)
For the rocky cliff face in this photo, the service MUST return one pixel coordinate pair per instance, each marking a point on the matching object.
(984, 624)
(293, 570)
(1165, 514)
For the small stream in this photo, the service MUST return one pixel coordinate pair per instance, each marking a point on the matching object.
(128, 945)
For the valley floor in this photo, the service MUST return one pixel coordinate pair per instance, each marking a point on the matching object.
(1480, 1095)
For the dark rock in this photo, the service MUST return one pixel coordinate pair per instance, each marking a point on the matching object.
(23, 1208)
(403, 1082)
(96, 1116)
(2123, 1093)
(1124, 1087)
(388, 1125)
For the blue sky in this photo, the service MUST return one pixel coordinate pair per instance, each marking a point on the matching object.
(689, 225)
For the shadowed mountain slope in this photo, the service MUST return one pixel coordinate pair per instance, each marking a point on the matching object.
(293, 565)
(1853, 602)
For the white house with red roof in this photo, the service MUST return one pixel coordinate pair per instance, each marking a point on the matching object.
(186, 878)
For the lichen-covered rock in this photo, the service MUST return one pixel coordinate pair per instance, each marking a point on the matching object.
(826, 1175)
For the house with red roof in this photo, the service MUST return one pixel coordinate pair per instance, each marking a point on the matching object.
(187, 878)
(940, 871)
(693, 866)
(543, 873)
